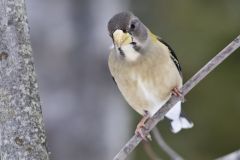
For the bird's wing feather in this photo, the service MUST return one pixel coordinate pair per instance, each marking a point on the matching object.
(173, 55)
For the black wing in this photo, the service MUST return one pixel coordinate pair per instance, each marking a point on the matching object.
(173, 56)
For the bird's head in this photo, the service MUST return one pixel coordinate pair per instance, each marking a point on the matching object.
(125, 28)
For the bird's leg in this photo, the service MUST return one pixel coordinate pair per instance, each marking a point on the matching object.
(141, 125)
(178, 93)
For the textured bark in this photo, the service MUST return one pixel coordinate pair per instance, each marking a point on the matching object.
(21, 124)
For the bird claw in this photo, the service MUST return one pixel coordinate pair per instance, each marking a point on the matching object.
(141, 125)
(139, 132)
(176, 92)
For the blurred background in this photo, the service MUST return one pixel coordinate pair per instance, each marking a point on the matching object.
(86, 117)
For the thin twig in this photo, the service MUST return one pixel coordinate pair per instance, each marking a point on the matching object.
(149, 151)
(231, 156)
(165, 147)
(221, 56)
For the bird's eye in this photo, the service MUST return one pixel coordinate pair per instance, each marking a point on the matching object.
(132, 26)
(124, 31)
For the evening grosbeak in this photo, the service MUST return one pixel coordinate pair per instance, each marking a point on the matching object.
(145, 69)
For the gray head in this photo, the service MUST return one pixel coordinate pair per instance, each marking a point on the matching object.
(128, 23)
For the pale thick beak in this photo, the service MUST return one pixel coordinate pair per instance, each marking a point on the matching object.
(120, 38)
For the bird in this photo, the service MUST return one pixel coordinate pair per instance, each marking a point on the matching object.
(146, 70)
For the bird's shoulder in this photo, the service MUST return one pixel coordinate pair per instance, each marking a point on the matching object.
(172, 54)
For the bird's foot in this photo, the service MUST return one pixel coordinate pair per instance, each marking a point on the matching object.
(176, 92)
(142, 125)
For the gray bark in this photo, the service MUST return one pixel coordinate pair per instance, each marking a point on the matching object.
(21, 124)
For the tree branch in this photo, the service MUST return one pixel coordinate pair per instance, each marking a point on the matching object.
(149, 151)
(202, 73)
(165, 147)
(232, 156)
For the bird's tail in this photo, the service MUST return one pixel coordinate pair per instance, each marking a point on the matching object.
(181, 123)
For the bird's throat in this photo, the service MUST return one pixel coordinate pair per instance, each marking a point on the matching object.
(128, 53)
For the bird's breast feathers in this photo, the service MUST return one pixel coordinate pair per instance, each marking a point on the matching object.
(143, 94)
(151, 95)
(147, 83)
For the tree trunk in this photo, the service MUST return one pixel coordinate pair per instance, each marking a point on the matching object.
(21, 124)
